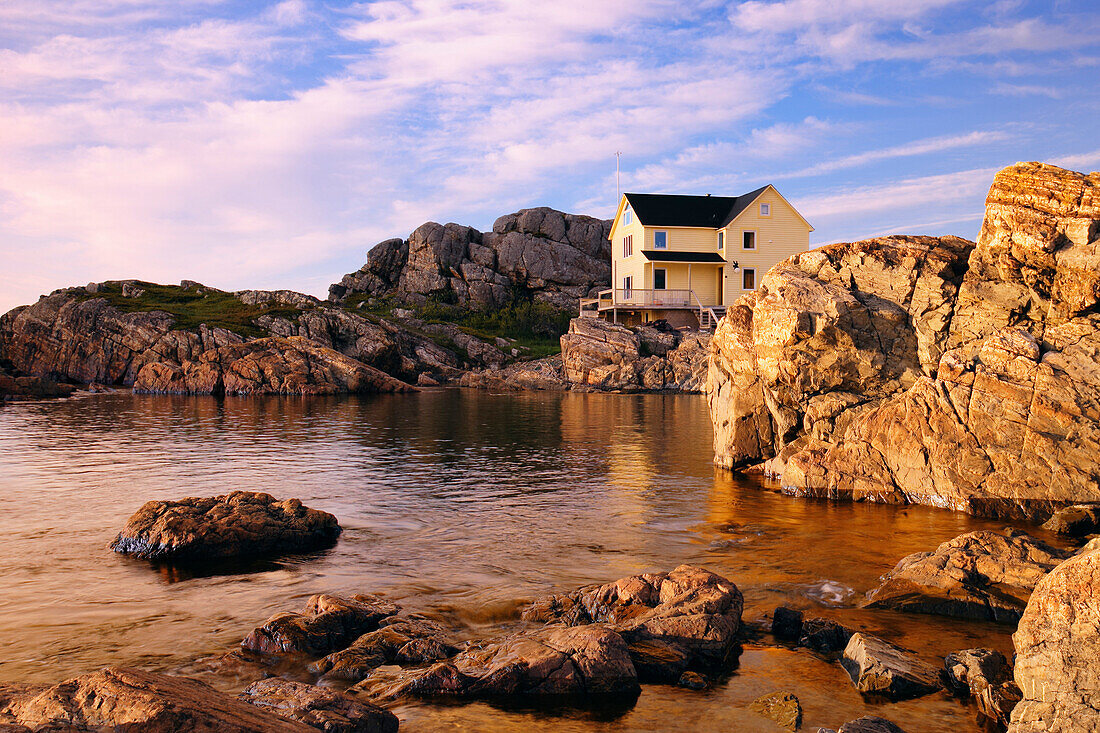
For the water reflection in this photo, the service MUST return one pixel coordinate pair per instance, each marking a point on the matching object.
(461, 503)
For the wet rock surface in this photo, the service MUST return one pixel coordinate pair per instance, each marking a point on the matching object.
(870, 724)
(122, 699)
(273, 365)
(980, 575)
(327, 624)
(1058, 651)
(588, 660)
(398, 640)
(318, 707)
(1078, 520)
(928, 370)
(239, 524)
(14, 387)
(880, 668)
(781, 707)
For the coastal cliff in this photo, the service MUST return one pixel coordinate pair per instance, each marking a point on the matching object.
(930, 370)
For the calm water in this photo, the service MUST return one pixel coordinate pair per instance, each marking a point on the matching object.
(459, 503)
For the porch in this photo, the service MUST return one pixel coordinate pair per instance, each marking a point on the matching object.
(613, 302)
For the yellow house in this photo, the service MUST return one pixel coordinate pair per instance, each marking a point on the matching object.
(685, 258)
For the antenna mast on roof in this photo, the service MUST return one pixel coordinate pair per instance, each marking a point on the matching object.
(618, 188)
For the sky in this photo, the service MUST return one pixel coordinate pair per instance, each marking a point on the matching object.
(270, 145)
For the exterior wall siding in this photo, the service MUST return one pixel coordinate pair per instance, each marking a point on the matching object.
(779, 236)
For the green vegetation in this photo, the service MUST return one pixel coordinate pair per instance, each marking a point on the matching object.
(194, 306)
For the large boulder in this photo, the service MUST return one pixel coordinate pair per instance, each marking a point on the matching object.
(544, 254)
(882, 669)
(1058, 651)
(122, 699)
(272, 365)
(327, 624)
(602, 355)
(928, 370)
(590, 660)
(238, 524)
(690, 613)
(319, 707)
(398, 640)
(980, 575)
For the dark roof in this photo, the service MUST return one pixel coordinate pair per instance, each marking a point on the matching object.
(673, 210)
(662, 256)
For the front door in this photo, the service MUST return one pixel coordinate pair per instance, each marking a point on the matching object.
(721, 287)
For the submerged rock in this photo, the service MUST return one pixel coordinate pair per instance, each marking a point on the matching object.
(1058, 651)
(328, 623)
(273, 365)
(319, 707)
(590, 660)
(1078, 520)
(880, 668)
(979, 575)
(870, 724)
(782, 707)
(398, 640)
(238, 524)
(118, 699)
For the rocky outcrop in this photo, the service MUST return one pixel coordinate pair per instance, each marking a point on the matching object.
(602, 355)
(318, 707)
(398, 640)
(1058, 651)
(120, 699)
(539, 374)
(1077, 520)
(242, 523)
(17, 387)
(540, 253)
(327, 624)
(588, 660)
(273, 365)
(928, 370)
(880, 668)
(980, 575)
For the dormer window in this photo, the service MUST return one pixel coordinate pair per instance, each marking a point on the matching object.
(628, 215)
(765, 209)
(660, 240)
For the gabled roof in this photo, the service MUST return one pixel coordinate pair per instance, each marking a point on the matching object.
(674, 210)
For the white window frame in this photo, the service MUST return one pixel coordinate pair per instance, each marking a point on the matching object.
(628, 215)
(745, 271)
(655, 245)
(721, 240)
(628, 245)
(765, 209)
(628, 287)
(754, 244)
(662, 270)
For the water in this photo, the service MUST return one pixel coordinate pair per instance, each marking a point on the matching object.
(460, 503)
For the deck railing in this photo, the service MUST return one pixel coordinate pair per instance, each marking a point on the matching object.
(609, 299)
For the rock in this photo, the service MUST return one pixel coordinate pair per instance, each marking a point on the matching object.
(880, 668)
(397, 641)
(328, 623)
(544, 254)
(319, 707)
(424, 380)
(692, 681)
(997, 702)
(1077, 520)
(18, 388)
(241, 523)
(824, 635)
(782, 707)
(662, 661)
(787, 623)
(979, 575)
(970, 671)
(273, 365)
(928, 370)
(132, 291)
(588, 660)
(1058, 651)
(118, 698)
(869, 724)
(540, 374)
(690, 608)
(602, 355)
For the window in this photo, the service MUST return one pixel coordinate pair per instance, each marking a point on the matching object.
(660, 240)
(660, 278)
(628, 285)
(750, 240)
(628, 245)
(765, 209)
(721, 240)
(748, 278)
(628, 215)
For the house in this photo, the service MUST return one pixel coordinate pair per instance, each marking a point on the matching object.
(685, 258)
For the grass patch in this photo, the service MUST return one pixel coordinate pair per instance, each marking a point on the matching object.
(536, 327)
(193, 307)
